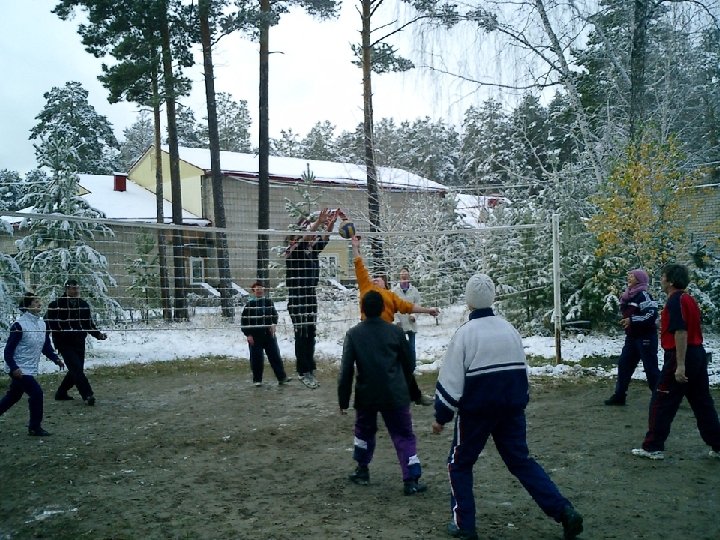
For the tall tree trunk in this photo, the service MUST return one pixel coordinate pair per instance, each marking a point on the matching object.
(263, 252)
(369, 141)
(641, 18)
(180, 311)
(159, 200)
(223, 260)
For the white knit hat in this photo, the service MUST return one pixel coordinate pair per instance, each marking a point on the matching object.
(479, 292)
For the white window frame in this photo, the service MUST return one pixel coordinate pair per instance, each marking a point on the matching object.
(195, 264)
(329, 265)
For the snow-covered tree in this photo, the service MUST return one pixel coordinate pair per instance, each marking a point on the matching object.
(485, 146)
(12, 188)
(190, 132)
(705, 284)
(55, 249)
(11, 282)
(234, 124)
(144, 272)
(440, 260)
(288, 145)
(138, 138)
(68, 115)
(318, 143)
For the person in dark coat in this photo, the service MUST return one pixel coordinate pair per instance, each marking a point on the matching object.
(70, 321)
(639, 318)
(302, 263)
(258, 322)
(379, 352)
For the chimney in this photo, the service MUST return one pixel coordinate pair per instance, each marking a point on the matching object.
(120, 181)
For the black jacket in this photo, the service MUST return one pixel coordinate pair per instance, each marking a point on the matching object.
(642, 311)
(380, 353)
(302, 266)
(69, 321)
(257, 316)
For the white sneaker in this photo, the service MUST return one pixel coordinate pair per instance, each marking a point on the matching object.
(257, 384)
(714, 454)
(655, 454)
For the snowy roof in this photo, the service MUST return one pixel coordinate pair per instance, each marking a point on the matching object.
(292, 169)
(134, 204)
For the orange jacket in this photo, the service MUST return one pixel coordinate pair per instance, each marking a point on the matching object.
(392, 302)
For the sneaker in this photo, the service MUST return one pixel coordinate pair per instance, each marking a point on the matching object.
(411, 487)
(654, 454)
(62, 397)
(38, 432)
(309, 381)
(361, 476)
(572, 523)
(90, 401)
(714, 454)
(285, 381)
(615, 400)
(257, 384)
(456, 532)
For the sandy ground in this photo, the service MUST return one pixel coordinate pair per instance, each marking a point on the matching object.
(193, 450)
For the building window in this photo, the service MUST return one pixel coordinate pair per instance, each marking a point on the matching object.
(329, 266)
(197, 270)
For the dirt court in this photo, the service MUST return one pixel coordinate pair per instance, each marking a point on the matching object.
(193, 450)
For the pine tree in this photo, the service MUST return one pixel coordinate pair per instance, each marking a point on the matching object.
(11, 190)
(234, 124)
(190, 132)
(145, 275)
(705, 284)
(288, 145)
(11, 282)
(56, 249)
(138, 138)
(439, 259)
(306, 202)
(67, 114)
(318, 143)
(485, 146)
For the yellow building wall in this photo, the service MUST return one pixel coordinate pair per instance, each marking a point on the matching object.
(143, 174)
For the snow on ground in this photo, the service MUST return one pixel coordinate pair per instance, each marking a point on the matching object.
(207, 335)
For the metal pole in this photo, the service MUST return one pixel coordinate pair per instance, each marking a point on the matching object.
(557, 311)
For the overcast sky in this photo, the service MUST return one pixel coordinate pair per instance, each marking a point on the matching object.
(311, 77)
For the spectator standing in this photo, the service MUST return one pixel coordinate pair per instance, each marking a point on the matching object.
(69, 320)
(483, 383)
(302, 263)
(379, 352)
(28, 339)
(684, 372)
(639, 318)
(408, 292)
(258, 322)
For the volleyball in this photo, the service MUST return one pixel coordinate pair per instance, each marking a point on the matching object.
(347, 229)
